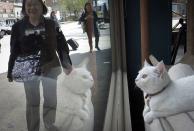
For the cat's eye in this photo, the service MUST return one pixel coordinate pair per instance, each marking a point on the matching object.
(144, 76)
(85, 77)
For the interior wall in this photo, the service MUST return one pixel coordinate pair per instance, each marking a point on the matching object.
(160, 28)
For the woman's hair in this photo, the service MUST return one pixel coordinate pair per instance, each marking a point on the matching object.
(86, 4)
(52, 12)
(42, 3)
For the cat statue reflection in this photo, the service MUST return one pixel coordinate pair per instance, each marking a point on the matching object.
(166, 97)
(77, 103)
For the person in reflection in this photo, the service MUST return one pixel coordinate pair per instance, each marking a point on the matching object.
(54, 18)
(90, 19)
(1, 36)
(183, 32)
(31, 34)
(0, 47)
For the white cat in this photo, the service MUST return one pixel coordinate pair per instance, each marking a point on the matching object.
(167, 97)
(78, 107)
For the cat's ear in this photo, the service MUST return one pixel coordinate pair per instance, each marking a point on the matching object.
(160, 67)
(153, 60)
(146, 64)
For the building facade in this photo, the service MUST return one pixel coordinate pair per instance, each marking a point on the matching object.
(6, 10)
(10, 11)
(17, 10)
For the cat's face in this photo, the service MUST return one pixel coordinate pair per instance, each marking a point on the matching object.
(152, 79)
(79, 80)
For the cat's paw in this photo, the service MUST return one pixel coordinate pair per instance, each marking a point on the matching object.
(148, 118)
(77, 124)
(83, 115)
(146, 110)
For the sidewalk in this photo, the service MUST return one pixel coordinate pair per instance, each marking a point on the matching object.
(12, 96)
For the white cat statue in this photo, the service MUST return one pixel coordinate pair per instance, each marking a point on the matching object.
(176, 71)
(166, 97)
(78, 107)
(179, 71)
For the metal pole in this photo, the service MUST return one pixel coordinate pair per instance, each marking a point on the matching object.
(188, 58)
(144, 30)
(190, 27)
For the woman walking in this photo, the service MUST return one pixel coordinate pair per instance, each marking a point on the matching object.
(90, 19)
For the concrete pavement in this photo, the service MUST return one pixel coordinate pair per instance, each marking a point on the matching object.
(12, 96)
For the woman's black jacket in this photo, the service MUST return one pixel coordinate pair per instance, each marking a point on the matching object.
(27, 39)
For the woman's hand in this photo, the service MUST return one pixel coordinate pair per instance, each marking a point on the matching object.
(68, 70)
(10, 79)
(89, 17)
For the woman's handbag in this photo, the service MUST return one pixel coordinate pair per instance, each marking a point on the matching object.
(26, 68)
(73, 43)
